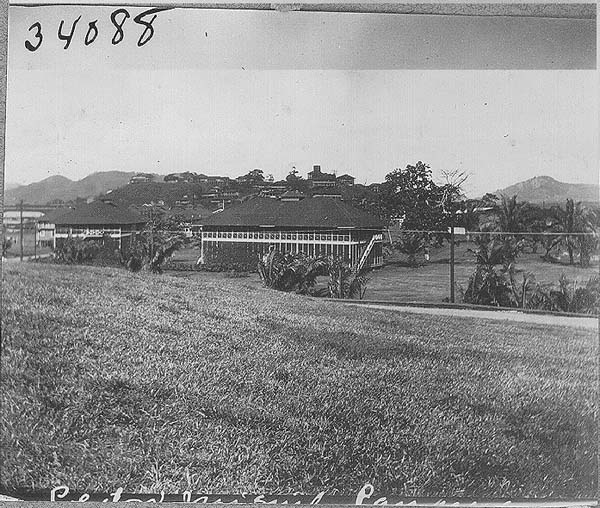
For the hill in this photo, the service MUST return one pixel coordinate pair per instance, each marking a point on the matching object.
(63, 189)
(209, 384)
(140, 193)
(545, 189)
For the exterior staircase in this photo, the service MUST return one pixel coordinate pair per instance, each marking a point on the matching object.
(365, 254)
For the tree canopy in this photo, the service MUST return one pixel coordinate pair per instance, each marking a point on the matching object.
(411, 197)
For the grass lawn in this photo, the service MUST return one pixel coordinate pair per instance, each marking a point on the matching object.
(430, 283)
(168, 383)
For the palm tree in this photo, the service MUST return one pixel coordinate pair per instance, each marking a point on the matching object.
(511, 214)
(574, 220)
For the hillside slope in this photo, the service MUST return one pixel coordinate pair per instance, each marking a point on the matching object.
(141, 193)
(61, 188)
(208, 384)
(544, 189)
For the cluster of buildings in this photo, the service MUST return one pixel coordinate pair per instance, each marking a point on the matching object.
(275, 218)
(316, 178)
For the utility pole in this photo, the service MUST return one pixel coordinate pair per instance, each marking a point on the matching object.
(452, 260)
(151, 232)
(21, 228)
(35, 235)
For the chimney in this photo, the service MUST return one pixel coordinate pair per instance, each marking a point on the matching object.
(317, 168)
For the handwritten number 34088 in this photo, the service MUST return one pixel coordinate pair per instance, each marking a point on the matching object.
(118, 19)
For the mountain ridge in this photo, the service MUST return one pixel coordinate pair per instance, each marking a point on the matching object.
(539, 189)
(548, 190)
(58, 187)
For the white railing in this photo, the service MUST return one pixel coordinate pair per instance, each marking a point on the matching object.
(279, 237)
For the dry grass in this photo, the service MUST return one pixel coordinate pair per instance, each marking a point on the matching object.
(157, 382)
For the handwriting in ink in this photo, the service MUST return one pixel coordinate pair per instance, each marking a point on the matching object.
(118, 37)
(92, 29)
(38, 35)
(118, 19)
(68, 37)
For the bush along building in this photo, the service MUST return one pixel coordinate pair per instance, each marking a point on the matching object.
(239, 236)
(113, 225)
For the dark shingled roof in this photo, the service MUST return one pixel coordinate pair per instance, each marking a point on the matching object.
(53, 215)
(99, 212)
(309, 212)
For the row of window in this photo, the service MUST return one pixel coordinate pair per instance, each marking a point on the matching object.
(245, 235)
(82, 231)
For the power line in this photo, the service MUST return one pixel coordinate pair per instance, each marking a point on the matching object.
(395, 230)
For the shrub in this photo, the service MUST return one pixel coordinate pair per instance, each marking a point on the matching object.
(291, 272)
(298, 272)
(567, 297)
(490, 284)
(345, 280)
(82, 251)
(154, 252)
(6, 245)
(494, 283)
(411, 244)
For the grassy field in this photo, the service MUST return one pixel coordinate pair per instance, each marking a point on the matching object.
(166, 383)
(397, 282)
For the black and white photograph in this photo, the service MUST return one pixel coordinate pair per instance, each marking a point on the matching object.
(304, 253)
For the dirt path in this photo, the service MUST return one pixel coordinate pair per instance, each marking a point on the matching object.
(590, 323)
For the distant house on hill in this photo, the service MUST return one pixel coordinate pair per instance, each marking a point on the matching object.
(141, 178)
(213, 181)
(190, 218)
(315, 226)
(345, 180)
(100, 220)
(272, 189)
(318, 179)
(326, 192)
(292, 195)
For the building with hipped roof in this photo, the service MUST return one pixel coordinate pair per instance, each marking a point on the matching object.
(100, 220)
(315, 226)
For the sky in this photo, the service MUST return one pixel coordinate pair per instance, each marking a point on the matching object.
(223, 92)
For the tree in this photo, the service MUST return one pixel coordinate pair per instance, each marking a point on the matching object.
(489, 199)
(411, 196)
(293, 175)
(254, 177)
(411, 244)
(296, 182)
(511, 215)
(492, 282)
(579, 226)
